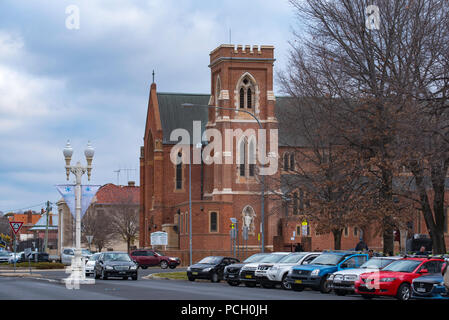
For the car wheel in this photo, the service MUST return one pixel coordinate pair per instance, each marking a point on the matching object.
(324, 285)
(250, 284)
(134, 277)
(172, 266)
(191, 279)
(404, 292)
(367, 296)
(164, 264)
(215, 277)
(144, 267)
(340, 292)
(284, 283)
(297, 287)
(233, 283)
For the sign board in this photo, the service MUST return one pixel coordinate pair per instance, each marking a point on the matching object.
(28, 252)
(159, 238)
(304, 230)
(292, 238)
(15, 226)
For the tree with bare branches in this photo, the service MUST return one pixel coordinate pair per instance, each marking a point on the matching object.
(375, 74)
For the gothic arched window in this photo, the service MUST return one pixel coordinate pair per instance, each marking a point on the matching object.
(242, 158)
(179, 172)
(246, 92)
(286, 161)
(292, 161)
(252, 158)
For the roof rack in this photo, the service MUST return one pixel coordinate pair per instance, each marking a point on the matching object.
(344, 251)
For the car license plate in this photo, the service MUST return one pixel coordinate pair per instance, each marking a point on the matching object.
(337, 280)
(231, 276)
(195, 273)
(248, 276)
(298, 281)
(421, 289)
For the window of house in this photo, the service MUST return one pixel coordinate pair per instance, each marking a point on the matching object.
(301, 200)
(252, 158)
(292, 161)
(179, 172)
(286, 162)
(242, 158)
(246, 94)
(346, 232)
(213, 222)
(298, 231)
(356, 231)
(295, 203)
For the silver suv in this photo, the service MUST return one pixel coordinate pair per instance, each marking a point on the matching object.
(271, 274)
(68, 253)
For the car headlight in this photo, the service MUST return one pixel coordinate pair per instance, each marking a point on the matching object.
(315, 272)
(109, 268)
(387, 279)
(331, 277)
(207, 269)
(133, 267)
(188, 269)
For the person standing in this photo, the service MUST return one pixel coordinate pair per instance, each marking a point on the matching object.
(361, 246)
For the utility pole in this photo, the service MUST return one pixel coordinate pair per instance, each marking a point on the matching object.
(46, 227)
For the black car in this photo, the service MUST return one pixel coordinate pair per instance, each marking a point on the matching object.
(231, 272)
(41, 257)
(210, 268)
(115, 264)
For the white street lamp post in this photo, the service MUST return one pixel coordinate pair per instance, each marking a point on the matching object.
(78, 268)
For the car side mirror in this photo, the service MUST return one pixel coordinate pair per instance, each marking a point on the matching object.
(424, 271)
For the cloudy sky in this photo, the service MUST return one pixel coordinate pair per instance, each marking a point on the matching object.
(92, 83)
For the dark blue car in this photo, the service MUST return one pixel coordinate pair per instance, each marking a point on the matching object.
(429, 287)
(315, 275)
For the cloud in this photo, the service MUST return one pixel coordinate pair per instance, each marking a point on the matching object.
(93, 83)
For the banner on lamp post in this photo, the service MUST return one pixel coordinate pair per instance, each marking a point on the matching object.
(67, 191)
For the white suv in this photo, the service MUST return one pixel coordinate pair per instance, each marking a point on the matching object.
(68, 253)
(271, 274)
(247, 273)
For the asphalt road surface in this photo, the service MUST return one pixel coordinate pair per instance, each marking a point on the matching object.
(142, 289)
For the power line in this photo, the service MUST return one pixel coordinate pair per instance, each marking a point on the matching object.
(28, 207)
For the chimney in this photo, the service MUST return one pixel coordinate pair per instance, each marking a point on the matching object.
(131, 183)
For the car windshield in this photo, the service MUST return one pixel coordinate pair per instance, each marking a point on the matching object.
(328, 259)
(376, 263)
(255, 257)
(403, 266)
(272, 258)
(4, 253)
(292, 258)
(117, 257)
(211, 260)
(94, 257)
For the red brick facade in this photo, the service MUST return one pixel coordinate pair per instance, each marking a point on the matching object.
(220, 188)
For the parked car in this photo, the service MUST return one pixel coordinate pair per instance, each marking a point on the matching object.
(247, 274)
(41, 257)
(68, 254)
(269, 274)
(148, 258)
(90, 264)
(15, 257)
(210, 268)
(395, 280)
(231, 272)
(115, 264)
(343, 281)
(429, 287)
(316, 274)
(4, 256)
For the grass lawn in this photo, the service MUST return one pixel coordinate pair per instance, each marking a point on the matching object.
(172, 275)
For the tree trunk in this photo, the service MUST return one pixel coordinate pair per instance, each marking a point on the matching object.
(337, 238)
(388, 225)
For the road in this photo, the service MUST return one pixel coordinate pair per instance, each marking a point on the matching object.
(142, 289)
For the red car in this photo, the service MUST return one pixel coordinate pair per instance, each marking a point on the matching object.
(147, 258)
(395, 279)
